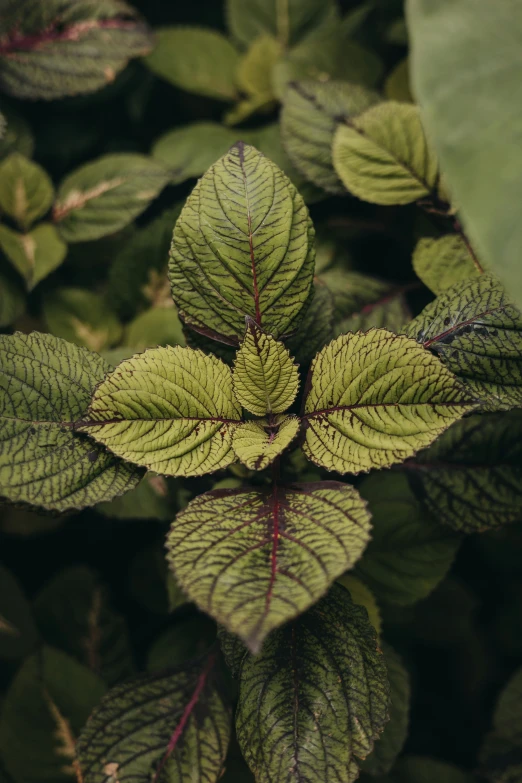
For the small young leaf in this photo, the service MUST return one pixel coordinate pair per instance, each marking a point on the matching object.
(375, 399)
(18, 632)
(255, 559)
(383, 155)
(45, 386)
(169, 409)
(34, 255)
(477, 333)
(254, 78)
(156, 326)
(26, 191)
(12, 301)
(288, 22)
(82, 317)
(316, 698)
(106, 195)
(170, 726)
(258, 443)
(440, 263)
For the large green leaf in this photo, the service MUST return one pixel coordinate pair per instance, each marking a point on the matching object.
(26, 191)
(106, 195)
(82, 317)
(258, 443)
(255, 559)
(171, 726)
(477, 333)
(442, 262)
(170, 409)
(375, 399)
(243, 246)
(35, 254)
(67, 47)
(315, 699)
(18, 632)
(286, 20)
(45, 386)
(465, 58)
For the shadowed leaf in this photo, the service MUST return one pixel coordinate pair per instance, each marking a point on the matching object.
(442, 262)
(26, 191)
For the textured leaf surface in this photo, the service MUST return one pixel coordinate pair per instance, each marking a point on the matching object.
(286, 21)
(384, 157)
(314, 329)
(45, 386)
(477, 333)
(169, 409)
(258, 443)
(26, 191)
(12, 302)
(82, 317)
(169, 726)
(375, 399)
(243, 246)
(35, 254)
(316, 698)
(106, 195)
(254, 559)
(440, 263)
(18, 632)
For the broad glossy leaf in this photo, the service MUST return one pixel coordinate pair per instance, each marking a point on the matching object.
(82, 317)
(315, 699)
(156, 326)
(314, 329)
(376, 399)
(169, 409)
(106, 195)
(18, 632)
(383, 156)
(471, 477)
(255, 559)
(26, 191)
(45, 386)
(12, 301)
(171, 726)
(258, 443)
(67, 47)
(286, 21)
(35, 254)
(243, 246)
(477, 333)
(363, 596)
(440, 263)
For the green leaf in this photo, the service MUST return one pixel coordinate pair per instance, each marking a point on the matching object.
(196, 59)
(67, 47)
(315, 327)
(471, 107)
(82, 317)
(383, 155)
(313, 702)
(312, 111)
(12, 301)
(363, 596)
(18, 632)
(149, 500)
(106, 195)
(442, 262)
(471, 478)
(17, 136)
(44, 710)
(256, 559)
(254, 243)
(386, 311)
(254, 78)
(410, 552)
(376, 399)
(397, 86)
(169, 409)
(26, 191)
(170, 726)
(45, 386)
(156, 326)
(420, 769)
(35, 254)
(258, 443)
(477, 333)
(286, 20)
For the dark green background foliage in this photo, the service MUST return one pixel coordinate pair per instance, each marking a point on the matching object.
(340, 593)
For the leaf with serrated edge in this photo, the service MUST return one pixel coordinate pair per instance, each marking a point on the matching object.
(35, 254)
(375, 399)
(45, 386)
(171, 726)
(255, 559)
(243, 246)
(442, 262)
(258, 443)
(169, 409)
(315, 699)
(383, 156)
(26, 190)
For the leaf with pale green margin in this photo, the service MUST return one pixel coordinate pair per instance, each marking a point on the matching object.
(12, 301)
(104, 196)
(312, 111)
(45, 386)
(258, 443)
(316, 698)
(383, 156)
(255, 559)
(254, 79)
(471, 477)
(421, 769)
(169, 409)
(26, 190)
(67, 47)
(397, 86)
(172, 725)
(196, 59)
(157, 326)
(18, 136)
(314, 330)
(477, 333)
(410, 552)
(47, 704)
(363, 596)
(81, 317)
(442, 262)
(149, 500)
(375, 399)
(35, 254)
(286, 20)
(243, 246)
(265, 378)
(18, 632)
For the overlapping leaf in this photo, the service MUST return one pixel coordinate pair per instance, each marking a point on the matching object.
(255, 559)
(258, 443)
(254, 79)
(35, 254)
(442, 262)
(26, 191)
(287, 22)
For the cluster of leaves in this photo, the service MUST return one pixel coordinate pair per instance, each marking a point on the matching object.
(153, 337)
